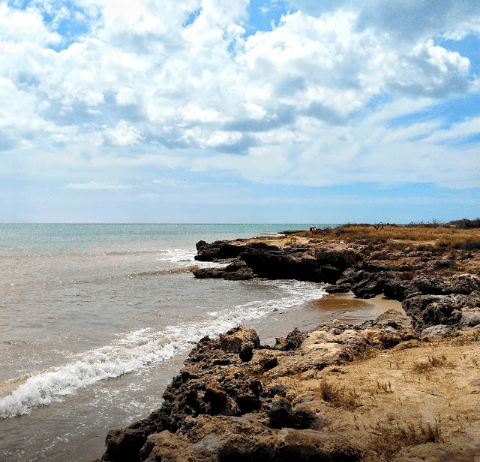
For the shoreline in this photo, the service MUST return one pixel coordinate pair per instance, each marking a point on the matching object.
(404, 387)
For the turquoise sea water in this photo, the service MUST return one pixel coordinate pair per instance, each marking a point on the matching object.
(96, 319)
(70, 236)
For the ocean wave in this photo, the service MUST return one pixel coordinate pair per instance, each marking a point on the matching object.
(178, 256)
(143, 347)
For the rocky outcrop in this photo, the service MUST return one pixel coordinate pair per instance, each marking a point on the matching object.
(235, 271)
(453, 309)
(246, 439)
(430, 293)
(227, 404)
(224, 403)
(236, 400)
(279, 264)
(218, 250)
(262, 260)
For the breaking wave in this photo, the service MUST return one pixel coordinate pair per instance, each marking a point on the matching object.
(143, 347)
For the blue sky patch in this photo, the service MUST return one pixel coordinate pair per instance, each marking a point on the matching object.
(468, 47)
(262, 14)
(450, 111)
(192, 17)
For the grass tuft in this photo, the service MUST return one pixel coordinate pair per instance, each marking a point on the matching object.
(425, 366)
(388, 439)
(338, 397)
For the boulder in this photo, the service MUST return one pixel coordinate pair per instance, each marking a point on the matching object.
(470, 317)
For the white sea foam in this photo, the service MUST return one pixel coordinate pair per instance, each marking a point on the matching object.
(143, 347)
(182, 256)
(185, 257)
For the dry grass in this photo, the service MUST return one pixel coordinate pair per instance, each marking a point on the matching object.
(388, 439)
(422, 367)
(338, 397)
(441, 236)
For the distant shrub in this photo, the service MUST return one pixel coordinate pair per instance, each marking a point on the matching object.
(466, 224)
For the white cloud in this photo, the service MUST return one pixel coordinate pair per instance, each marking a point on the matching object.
(289, 105)
(92, 185)
(126, 96)
(458, 131)
(17, 26)
(471, 26)
(122, 134)
(408, 20)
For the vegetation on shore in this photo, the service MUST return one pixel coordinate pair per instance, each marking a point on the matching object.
(434, 236)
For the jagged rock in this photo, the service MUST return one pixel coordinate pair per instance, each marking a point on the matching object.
(431, 310)
(470, 317)
(340, 260)
(427, 285)
(238, 271)
(274, 263)
(435, 332)
(281, 415)
(235, 339)
(293, 341)
(209, 273)
(219, 408)
(396, 290)
(268, 362)
(235, 271)
(226, 439)
(337, 288)
(369, 287)
(218, 250)
(464, 284)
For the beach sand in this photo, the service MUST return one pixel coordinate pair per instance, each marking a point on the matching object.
(359, 308)
(343, 308)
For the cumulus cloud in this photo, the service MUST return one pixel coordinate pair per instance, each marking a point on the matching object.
(25, 26)
(153, 83)
(122, 134)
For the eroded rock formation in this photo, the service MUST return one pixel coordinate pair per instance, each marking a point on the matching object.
(423, 280)
(400, 388)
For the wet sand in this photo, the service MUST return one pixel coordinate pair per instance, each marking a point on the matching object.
(357, 307)
(343, 308)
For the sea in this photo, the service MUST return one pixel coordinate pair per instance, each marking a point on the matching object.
(96, 319)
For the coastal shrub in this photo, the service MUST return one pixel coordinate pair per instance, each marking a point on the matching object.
(466, 224)
(433, 238)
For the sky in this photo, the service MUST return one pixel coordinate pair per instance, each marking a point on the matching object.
(260, 111)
